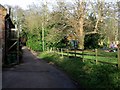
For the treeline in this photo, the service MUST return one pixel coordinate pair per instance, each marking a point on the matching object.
(85, 24)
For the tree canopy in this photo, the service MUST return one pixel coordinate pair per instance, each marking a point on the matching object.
(49, 25)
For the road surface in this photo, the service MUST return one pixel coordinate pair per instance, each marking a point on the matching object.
(34, 73)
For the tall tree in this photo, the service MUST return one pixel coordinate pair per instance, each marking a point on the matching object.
(76, 20)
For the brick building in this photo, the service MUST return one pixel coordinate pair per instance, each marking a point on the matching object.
(3, 12)
(8, 44)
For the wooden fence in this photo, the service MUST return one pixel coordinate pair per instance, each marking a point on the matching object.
(81, 53)
(119, 55)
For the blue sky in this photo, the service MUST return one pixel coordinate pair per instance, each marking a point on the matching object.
(24, 3)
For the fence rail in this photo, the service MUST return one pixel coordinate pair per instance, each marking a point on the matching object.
(95, 55)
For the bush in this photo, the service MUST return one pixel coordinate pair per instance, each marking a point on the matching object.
(34, 43)
(91, 41)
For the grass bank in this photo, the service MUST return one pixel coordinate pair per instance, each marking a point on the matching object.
(87, 74)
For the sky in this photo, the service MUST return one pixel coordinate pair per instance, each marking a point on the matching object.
(24, 3)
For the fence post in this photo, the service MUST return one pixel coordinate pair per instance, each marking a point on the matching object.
(67, 53)
(51, 49)
(96, 55)
(75, 53)
(57, 50)
(119, 56)
(54, 49)
(83, 55)
(62, 52)
(48, 49)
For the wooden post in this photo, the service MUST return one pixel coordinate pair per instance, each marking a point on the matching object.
(57, 50)
(96, 55)
(119, 56)
(54, 49)
(47, 49)
(75, 53)
(83, 55)
(51, 49)
(62, 52)
(67, 53)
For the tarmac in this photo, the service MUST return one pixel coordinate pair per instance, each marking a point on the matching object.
(35, 73)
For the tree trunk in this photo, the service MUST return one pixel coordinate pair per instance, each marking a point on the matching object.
(80, 27)
(81, 40)
(81, 33)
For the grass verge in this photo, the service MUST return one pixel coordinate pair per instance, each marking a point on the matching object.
(87, 74)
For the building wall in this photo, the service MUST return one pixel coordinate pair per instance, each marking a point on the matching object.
(3, 12)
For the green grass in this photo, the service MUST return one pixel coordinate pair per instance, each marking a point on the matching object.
(110, 57)
(105, 59)
(87, 74)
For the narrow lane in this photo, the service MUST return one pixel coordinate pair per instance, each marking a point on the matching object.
(34, 73)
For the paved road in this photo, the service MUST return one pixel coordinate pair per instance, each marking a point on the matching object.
(35, 73)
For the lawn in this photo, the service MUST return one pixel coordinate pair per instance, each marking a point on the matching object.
(110, 57)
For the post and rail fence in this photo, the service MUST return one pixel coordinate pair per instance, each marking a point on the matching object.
(81, 53)
(119, 55)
